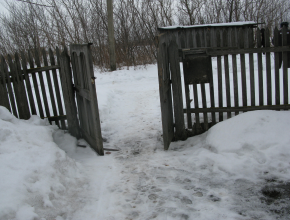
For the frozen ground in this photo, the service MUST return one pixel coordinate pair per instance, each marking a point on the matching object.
(239, 169)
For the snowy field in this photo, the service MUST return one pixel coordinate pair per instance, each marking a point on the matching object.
(239, 169)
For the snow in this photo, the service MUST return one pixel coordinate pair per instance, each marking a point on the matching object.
(229, 24)
(220, 174)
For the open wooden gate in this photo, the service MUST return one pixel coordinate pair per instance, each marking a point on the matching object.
(84, 86)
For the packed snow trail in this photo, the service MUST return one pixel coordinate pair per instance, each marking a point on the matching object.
(239, 169)
(192, 180)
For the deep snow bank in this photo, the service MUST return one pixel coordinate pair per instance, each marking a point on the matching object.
(37, 177)
(252, 144)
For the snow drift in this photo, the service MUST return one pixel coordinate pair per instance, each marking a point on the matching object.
(36, 175)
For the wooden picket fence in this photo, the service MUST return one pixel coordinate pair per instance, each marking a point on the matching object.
(238, 84)
(65, 97)
(26, 91)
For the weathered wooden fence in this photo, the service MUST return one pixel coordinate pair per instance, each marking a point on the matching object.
(26, 91)
(226, 71)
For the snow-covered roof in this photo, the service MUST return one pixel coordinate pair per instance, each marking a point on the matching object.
(229, 24)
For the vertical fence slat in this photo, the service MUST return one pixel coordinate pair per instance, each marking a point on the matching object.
(50, 89)
(235, 70)
(227, 73)
(201, 43)
(196, 106)
(188, 112)
(220, 84)
(16, 88)
(260, 68)
(243, 68)
(5, 89)
(10, 88)
(268, 68)
(23, 94)
(196, 41)
(69, 99)
(285, 66)
(277, 66)
(177, 91)
(165, 92)
(56, 87)
(28, 84)
(36, 87)
(211, 43)
(38, 64)
(188, 44)
(251, 65)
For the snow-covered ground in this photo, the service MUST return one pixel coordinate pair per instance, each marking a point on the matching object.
(239, 169)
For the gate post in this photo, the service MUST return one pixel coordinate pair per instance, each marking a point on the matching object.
(180, 133)
(68, 94)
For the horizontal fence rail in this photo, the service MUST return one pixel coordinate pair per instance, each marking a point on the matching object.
(30, 84)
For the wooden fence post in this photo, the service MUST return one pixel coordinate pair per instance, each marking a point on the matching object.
(177, 91)
(4, 93)
(68, 93)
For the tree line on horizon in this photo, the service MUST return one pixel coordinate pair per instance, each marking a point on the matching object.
(50, 23)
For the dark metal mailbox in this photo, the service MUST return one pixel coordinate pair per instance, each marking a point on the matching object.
(197, 69)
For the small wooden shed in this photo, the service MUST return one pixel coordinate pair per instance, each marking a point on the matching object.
(207, 73)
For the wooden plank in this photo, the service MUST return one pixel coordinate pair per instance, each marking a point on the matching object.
(201, 43)
(260, 69)
(24, 99)
(50, 88)
(204, 105)
(16, 87)
(56, 88)
(44, 96)
(285, 66)
(84, 107)
(182, 38)
(227, 74)
(188, 101)
(79, 84)
(212, 42)
(69, 100)
(235, 70)
(227, 51)
(243, 68)
(10, 89)
(28, 84)
(189, 40)
(242, 108)
(5, 91)
(198, 128)
(268, 68)
(94, 105)
(177, 91)
(36, 87)
(219, 69)
(277, 66)
(44, 68)
(251, 65)
(188, 43)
